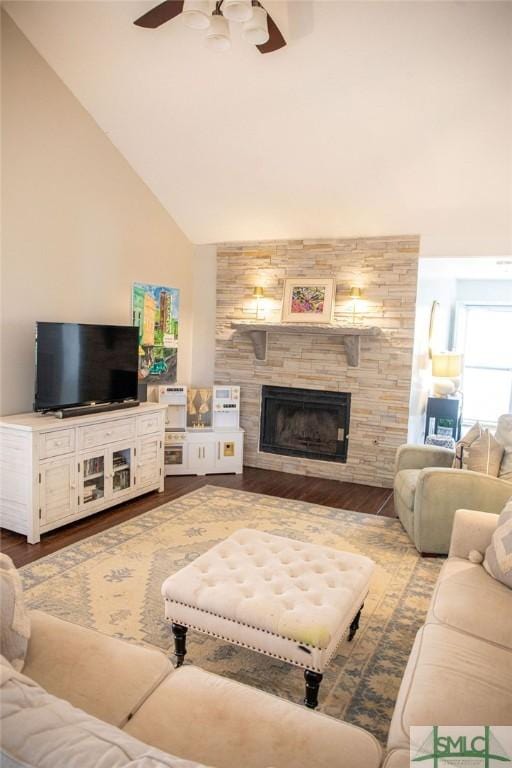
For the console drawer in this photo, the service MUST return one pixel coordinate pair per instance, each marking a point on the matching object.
(104, 433)
(150, 423)
(56, 443)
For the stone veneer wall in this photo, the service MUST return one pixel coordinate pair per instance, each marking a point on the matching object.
(386, 269)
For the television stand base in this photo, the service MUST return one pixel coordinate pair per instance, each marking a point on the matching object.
(85, 410)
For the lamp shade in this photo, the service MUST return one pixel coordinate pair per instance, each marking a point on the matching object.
(355, 293)
(256, 29)
(217, 35)
(196, 14)
(258, 292)
(447, 364)
(237, 10)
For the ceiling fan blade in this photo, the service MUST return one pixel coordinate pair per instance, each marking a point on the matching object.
(160, 14)
(275, 40)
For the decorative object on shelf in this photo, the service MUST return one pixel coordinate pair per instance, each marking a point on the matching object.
(258, 27)
(432, 327)
(440, 441)
(308, 300)
(155, 311)
(349, 334)
(446, 371)
(443, 417)
(355, 294)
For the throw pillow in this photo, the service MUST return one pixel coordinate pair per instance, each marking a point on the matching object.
(15, 620)
(484, 455)
(504, 436)
(498, 556)
(464, 445)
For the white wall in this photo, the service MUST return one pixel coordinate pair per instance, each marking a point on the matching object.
(204, 308)
(79, 226)
(431, 287)
(493, 291)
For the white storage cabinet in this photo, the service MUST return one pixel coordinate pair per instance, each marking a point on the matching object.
(53, 472)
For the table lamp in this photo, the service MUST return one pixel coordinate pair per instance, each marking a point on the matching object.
(446, 371)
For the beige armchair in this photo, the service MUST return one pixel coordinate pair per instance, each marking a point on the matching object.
(428, 491)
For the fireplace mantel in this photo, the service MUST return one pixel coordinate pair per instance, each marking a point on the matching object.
(350, 335)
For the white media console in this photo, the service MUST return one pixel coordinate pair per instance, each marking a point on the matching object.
(53, 472)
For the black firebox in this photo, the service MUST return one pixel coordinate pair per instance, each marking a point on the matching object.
(305, 422)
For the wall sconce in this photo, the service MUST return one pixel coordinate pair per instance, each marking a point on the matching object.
(259, 296)
(355, 294)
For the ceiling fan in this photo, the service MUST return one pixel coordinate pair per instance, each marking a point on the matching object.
(258, 27)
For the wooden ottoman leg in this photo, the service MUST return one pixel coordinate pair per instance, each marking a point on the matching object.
(355, 624)
(313, 680)
(180, 642)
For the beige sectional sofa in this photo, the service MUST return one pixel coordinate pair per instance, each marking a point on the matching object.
(460, 668)
(459, 672)
(132, 694)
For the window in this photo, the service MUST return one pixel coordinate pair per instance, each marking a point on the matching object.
(484, 334)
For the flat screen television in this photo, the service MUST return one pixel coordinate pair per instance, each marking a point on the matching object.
(79, 364)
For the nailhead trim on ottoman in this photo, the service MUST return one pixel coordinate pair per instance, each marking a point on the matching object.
(284, 598)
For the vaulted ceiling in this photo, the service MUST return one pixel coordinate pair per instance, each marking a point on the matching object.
(377, 118)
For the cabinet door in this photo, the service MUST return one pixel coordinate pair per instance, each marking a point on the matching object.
(121, 471)
(57, 492)
(201, 458)
(149, 461)
(93, 474)
(228, 452)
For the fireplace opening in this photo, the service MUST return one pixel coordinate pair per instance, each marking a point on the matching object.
(305, 422)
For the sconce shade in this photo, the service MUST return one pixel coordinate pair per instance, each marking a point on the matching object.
(256, 29)
(196, 14)
(258, 292)
(355, 293)
(237, 10)
(217, 35)
(447, 364)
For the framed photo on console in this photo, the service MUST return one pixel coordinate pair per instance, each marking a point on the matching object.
(308, 300)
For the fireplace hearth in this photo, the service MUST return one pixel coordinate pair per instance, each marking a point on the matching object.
(305, 422)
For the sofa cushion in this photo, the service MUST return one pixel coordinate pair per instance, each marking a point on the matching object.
(468, 599)
(106, 677)
(201, 716)
(397, 758)
(14, 616)
(452, 678)
(498, 555)
(405, 485)
(42, 731)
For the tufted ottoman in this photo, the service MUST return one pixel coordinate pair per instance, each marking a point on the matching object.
(281, 597)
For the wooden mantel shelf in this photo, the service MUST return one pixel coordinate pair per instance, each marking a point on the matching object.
(350, 335)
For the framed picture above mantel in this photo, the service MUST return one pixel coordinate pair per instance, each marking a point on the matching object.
(308, 300)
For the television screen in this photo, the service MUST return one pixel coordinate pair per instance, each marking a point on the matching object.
(78, 364)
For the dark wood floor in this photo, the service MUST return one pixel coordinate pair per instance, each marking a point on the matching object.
(331, 493)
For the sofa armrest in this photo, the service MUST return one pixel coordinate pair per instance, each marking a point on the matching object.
(471, 530)
(106, 677)
(411, 456)
(440, 492)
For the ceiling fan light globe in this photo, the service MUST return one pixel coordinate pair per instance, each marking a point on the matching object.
(237, 10)
(255, 30)
(217, 36)
(196, 14)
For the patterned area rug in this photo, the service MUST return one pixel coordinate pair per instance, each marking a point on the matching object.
(111, 582)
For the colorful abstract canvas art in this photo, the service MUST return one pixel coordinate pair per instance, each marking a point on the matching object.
(308, 300)
(155, 311)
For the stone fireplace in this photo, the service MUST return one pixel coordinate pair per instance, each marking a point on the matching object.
(378, 388)
(309, 423)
